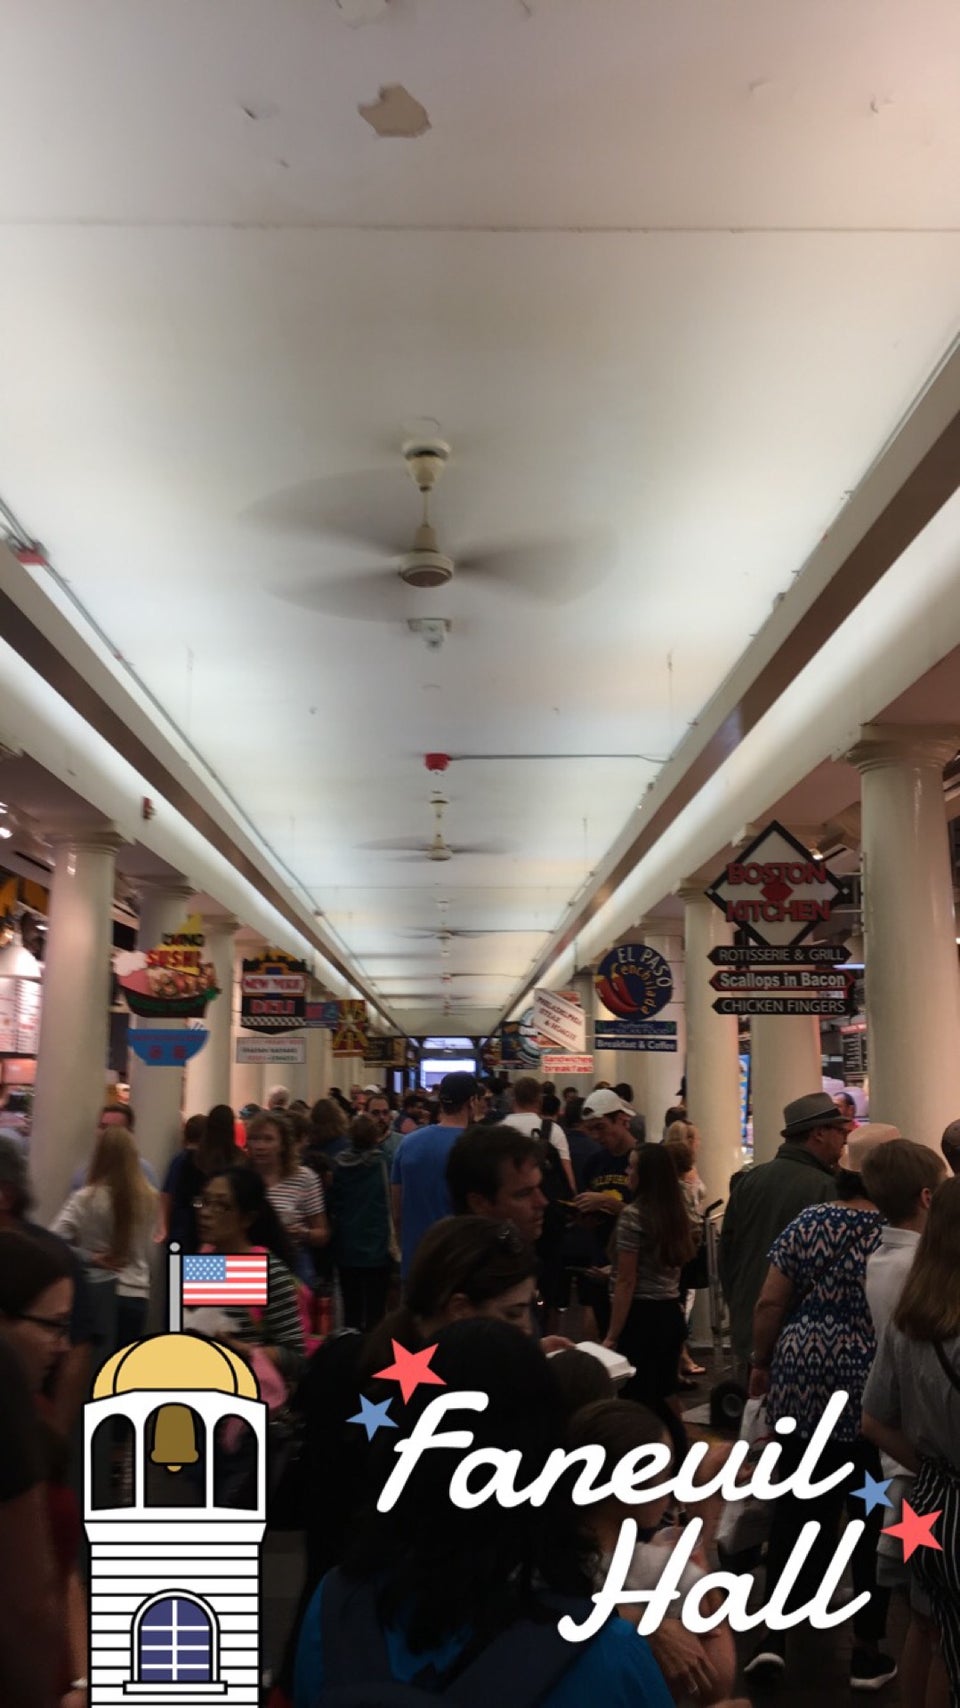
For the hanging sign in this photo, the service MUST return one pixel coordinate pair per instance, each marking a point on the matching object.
(167, 1047)
(172, 981)
(272, 1052)
(385, 1052)
(826, 1006)
(806, 955)
(648, 1043)
(273, 992)
(634, 980)
(614, 1032)
(779, 981)
(518, 1045)
(350, 1033)
(558, 1018)
(775, 890)
(563, 1065)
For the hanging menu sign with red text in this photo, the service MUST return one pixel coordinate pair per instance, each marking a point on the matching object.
(776, 893)
(273, 992)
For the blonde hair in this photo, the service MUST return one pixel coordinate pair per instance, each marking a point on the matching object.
(116, 1166)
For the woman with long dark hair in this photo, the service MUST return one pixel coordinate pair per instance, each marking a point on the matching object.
(911, 1410)
(236, 1218)
(652, 1242)
(36, 1298)
(429, 1590)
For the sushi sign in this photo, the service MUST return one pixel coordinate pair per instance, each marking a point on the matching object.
(172, 981)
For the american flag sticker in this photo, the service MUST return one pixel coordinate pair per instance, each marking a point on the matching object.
(225, 1280)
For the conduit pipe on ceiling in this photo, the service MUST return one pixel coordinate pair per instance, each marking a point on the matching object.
(906, 625)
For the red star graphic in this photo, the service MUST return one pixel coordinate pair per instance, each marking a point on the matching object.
(410, 1369)
(914, 1530)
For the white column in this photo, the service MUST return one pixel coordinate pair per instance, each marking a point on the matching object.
(291, 1074)
(208, 1073)
(156, 1093)
(246, 1078)
(664, 1072)
(604, 1064)
(910, 951)
(71, 1081)
(786, 1062)
(713, 1066)
(319, 1059)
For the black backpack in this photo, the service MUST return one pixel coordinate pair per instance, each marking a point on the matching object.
(530, 1654)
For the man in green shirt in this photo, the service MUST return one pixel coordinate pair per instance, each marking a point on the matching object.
(764, 1200)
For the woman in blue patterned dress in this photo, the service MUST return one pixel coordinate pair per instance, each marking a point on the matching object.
(813, 1336)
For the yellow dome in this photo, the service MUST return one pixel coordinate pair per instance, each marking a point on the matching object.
(175, 1361)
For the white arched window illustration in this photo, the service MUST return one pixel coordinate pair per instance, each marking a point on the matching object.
(175, 1642)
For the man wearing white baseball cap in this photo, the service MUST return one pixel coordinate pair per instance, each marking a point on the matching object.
(607, 1119)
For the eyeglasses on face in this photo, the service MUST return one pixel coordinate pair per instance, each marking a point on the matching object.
(59, 1326)
(220, 1206)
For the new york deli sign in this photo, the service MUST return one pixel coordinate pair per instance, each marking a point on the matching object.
(775, 890)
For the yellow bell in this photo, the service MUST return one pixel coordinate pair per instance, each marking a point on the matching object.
(174, 1441)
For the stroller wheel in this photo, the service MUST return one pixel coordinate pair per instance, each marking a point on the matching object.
(727, 1401)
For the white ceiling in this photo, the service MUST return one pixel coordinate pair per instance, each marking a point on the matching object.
(667, 277)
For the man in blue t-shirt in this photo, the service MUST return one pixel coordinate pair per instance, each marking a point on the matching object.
(419, 1178)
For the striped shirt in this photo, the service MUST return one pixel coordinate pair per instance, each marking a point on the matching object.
(278, 1324)
(297, 1197)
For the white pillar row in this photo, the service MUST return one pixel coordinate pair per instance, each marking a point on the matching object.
(664, 1071)
(910, 951)
(712, 1063)
(605, 1062)
(71, 1080)
(319, 1060)
(156, 1093)
(786, 1062)
(209, 1072)
(246, 1078)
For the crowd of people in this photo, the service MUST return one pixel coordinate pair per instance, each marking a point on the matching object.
(499, 1224)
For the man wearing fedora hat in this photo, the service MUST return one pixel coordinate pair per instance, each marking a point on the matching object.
(765, 1200)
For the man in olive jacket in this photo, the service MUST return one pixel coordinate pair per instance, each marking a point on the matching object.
(764, 1200)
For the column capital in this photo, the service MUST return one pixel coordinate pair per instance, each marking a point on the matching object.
(693, 889)
(160, 884)
(82, 835)
(219, 925)
(660, 927)
(883, 745)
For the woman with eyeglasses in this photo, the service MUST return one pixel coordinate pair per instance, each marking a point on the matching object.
(236, 1217)
(111, 1221)
(36, 1298)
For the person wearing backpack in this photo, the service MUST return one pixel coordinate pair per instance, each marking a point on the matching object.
(360, 1211)
(437, 1603)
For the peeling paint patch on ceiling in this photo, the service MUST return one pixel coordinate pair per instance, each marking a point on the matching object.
(396, 113)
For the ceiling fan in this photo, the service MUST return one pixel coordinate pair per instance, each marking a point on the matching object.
(412, 848)
(355, 508)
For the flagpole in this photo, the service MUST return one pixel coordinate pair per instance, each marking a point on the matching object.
(175, 1291)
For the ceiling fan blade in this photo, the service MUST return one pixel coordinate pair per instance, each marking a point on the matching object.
(376, 507)
(368, 596)
(558, 571)
(499, 847)
(396, 845)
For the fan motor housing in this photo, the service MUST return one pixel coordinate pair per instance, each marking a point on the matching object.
(425, 569)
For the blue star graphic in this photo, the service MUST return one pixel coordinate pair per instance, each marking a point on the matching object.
(373, 1417)
(873, 1493)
